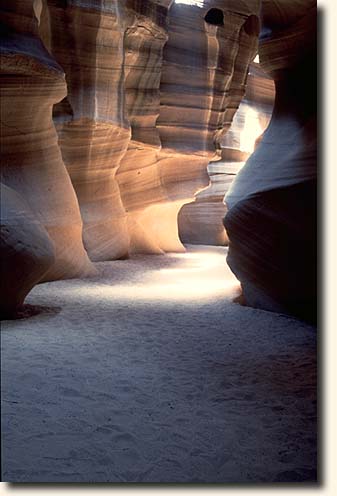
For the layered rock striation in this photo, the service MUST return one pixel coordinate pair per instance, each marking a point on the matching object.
(132, 120)
(204, 77)
(138, 175)
(31, 163)
(175, 121)
(271, 221)
(201, 221)
(111, 111)
(87, 40)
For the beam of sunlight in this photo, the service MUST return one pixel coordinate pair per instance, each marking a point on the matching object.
(252, 129)
(196, 3)
(179, 277)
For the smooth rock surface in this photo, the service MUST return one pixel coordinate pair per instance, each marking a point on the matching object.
(137, 117)
(203, 81)
(201, 221)
(131, 118)
(200, 87)
(27, 252)
(31, 83)
(278, 182)
(87, 40)
(138, 175)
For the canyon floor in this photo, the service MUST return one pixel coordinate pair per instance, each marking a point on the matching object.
(149, 372)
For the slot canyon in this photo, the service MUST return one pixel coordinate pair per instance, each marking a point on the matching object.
(159, 241)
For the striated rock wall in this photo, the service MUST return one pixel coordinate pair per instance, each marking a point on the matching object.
(87, 40)
(138, 174)
(31, 163)
(201, 221)
(176, 120)
(271, 221)
(204, 76)
(132, 120)
(111, 111)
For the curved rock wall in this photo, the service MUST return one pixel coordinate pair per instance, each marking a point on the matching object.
(192, 93)
(27, 251)
(204, 76)
(271, 221)
(138, 174)
(31, 83)
(141, 119)
(140, 94)
(201, 221)
(87, 40)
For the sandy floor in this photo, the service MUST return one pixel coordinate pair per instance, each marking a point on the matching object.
(149, 373)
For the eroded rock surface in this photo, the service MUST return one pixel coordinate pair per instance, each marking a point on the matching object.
(204, 76)
(138, 175)
(141, 95)
(271, 221)
(201, 221)
(87, 40)
(31, 163)
(27, 252)
(152, 86)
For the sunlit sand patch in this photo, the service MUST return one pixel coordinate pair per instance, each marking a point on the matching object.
(185, 277)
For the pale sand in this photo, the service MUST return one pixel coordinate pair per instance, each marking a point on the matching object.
(150, 373)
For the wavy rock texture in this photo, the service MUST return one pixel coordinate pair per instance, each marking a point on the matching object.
(27, 251)
(194, 92)
(125, 68)
(87, 40)
(271, 221)
(203, 80)
(201, 221)
(140, 94)
(138, 174)
(31, 83)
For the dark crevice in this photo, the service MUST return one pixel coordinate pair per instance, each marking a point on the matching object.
(63, 110)
(215, 17)
(252, 26)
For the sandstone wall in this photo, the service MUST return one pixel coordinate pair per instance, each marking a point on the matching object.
(27, 251)
(111, 111)
(201, 221)
(87, 40)
(132, 120)
(197, 105)
(193, 97)
(31, 163)
(271, 221)
(138, 175)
